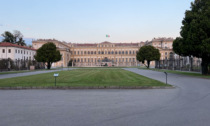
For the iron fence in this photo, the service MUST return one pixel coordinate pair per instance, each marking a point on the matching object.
(9, 64)
(184, 64)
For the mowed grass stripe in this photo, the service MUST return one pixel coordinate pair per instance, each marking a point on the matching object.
(83, 77)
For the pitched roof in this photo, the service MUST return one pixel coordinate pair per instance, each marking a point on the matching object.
(7, 44)
(126, 44)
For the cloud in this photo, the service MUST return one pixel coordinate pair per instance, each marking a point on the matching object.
(1, 25)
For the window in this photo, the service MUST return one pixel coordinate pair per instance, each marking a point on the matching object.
(78, 52)
(98, 52)
(88, 52)
(16, 51)
(81, 52)
(130, 52)
(126, 52)
(81, 60)
(9, 50)
(91, 52)
(119, 52)
(74, 52)
(3, 50)
(122, 52)
(133, 52)
(112, 52)
(102, 52)
(109, 52)
(165, 53)
(115, 52)
(85, 52)
(21, 51)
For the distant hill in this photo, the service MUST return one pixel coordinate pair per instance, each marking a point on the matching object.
(28, 41)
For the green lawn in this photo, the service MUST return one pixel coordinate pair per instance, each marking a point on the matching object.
(83, 77)
(180, 72)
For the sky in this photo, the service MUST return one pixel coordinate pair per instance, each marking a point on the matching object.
(89, 21)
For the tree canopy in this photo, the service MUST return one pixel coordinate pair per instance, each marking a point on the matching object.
(48, 54)
(195, 33)
(148, 53)
(15, 38)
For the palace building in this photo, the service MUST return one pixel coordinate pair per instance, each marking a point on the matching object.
(104, 53)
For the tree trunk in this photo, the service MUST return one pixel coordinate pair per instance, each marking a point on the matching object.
(148, 64)
(48, 65)
(204, 65)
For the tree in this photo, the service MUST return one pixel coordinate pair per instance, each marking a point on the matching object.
(148, 53)
(8, 37)
(48, 54)
(15, 38)
(195, 34)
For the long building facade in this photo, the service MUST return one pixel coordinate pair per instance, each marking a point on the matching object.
(104, 53)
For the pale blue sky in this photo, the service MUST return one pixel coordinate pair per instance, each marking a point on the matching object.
(85, 21)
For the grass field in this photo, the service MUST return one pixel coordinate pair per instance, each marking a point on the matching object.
(180, 72)
(83, 77)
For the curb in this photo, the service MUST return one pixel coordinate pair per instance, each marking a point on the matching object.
(92, 87)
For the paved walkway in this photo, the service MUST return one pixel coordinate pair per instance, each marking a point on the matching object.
(186, 105)
(3, 76)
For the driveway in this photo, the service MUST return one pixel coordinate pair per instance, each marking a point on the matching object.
(2, 76)
(186, 105)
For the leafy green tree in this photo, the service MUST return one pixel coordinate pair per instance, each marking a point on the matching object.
(8, 37)
(195, 33)
(15, 38)
(48, 54)
(148, 53)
